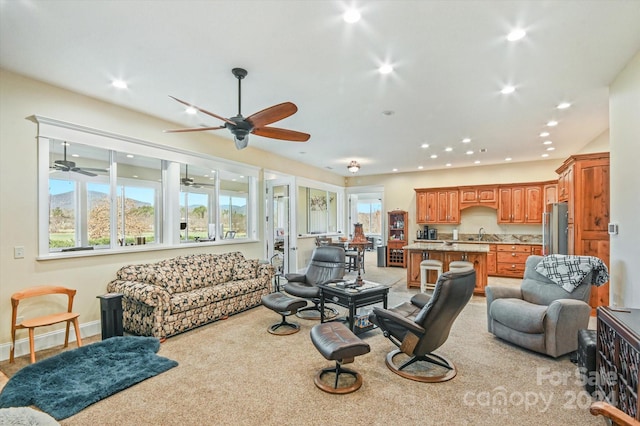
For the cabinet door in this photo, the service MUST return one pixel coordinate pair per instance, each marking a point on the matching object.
(453, 207)
(432, 207)
(550, 195)
(413, 268)
(421, 207)
(491, 260)
(533, 204)
(443, 211)
(504, 205)
(481, 270)
(518, 201)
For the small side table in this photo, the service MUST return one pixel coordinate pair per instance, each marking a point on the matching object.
(111, 315)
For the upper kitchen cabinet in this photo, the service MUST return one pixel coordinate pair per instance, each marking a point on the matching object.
(448, 207)
(520, 204)
(485, 196)
(436, 206)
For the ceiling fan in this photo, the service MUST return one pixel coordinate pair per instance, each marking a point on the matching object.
(69, 166)
(241, 126)
(187, 181)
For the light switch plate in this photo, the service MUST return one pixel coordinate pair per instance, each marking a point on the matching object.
(18, 252)
(613, 229)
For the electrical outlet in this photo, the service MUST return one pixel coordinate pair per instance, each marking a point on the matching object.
(18, 252)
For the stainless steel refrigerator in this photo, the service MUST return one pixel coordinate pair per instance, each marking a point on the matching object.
(555, 229)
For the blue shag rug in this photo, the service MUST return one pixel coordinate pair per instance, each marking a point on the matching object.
(65, 384)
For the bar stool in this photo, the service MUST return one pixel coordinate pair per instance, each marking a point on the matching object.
(425, 266)
(460, 264)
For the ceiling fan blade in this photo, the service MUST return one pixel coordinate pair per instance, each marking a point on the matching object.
(272, 114)
(93, 169)
(226, 120)
(194, 129)
(284, 134)
(83, 172)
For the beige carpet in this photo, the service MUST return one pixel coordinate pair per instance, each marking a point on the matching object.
(233, 372)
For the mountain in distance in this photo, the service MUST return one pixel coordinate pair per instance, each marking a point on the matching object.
(66, 200)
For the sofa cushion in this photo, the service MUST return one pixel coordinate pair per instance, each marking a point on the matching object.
(140, 273)
(182, 302)
(519, 315)
(245, 269)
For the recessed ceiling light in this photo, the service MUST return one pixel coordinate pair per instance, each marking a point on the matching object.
(135, 176)
(507, 159)
(476, 162)
(552, 123)
(448, 149)
(547, 143)
(65, 144)
(545, 155)
(129, 155)
(550, 148)
(75, 155)
(120, 84)
(191, 110)
(424, 145)
(420, 167)
(351, 16)
(434, 156)
(448, 165)
(516, 34)
(507, 89)
(544, 134)
(394, 170)
(385, 69)
(563, 105)
(466, 140)
(469, 152)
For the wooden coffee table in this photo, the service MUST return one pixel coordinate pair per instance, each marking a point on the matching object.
(353, 298)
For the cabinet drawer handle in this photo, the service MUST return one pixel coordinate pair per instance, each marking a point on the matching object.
(513, 266)
(513, 254)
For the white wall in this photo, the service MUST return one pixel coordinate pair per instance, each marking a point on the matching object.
(624, 111)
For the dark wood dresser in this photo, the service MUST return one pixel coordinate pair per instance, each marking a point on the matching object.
(618, 357)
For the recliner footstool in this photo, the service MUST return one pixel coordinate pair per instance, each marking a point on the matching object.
(337, 343)
(284, 305)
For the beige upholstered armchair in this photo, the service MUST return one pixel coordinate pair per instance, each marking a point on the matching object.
(541, 315)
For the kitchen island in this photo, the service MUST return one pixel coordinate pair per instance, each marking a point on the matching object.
(446, 253)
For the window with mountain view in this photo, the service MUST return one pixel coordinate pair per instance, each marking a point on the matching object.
(114, 192)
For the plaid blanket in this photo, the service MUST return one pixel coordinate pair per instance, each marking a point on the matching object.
(568, 271)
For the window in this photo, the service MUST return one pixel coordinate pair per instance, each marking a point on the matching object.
(102, 192)
(370, 216)
(234, 196)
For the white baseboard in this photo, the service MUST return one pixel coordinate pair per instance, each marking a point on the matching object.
(49, 340)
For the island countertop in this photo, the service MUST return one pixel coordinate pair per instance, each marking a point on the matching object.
(463, 247)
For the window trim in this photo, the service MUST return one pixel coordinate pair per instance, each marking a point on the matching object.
(49, 128)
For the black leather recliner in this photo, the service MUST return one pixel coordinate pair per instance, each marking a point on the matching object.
(327, 264)
(422, 325)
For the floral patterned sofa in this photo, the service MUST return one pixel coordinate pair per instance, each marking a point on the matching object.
(174, 295)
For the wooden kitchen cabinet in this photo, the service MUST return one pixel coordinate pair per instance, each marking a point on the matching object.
(511, 259)
(520, 204)
(448, 207)
(434, 206)
(492, 257)
(472, 196)
(550, 194)
(585, 179)
(426, 206)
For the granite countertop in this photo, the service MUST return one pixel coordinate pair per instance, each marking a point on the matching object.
(441, 246)
(481, 242)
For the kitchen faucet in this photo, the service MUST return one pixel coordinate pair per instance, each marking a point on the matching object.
(480, 234)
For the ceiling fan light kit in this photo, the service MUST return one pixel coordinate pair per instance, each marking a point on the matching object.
(240, 127)
(353, 166)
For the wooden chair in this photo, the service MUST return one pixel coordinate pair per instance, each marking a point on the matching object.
(42, 321)
(612, 413)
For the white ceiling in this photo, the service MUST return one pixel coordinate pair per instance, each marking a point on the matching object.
(450, 61)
